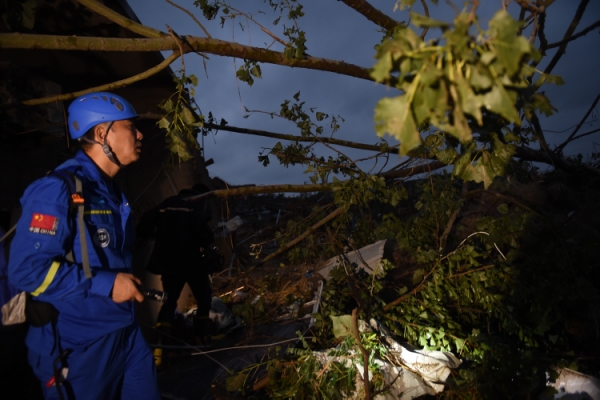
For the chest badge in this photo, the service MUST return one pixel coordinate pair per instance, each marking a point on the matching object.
(102, 237)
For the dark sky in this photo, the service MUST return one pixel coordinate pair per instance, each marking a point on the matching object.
(337, 32)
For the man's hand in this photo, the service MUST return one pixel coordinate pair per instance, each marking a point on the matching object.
(125, 288)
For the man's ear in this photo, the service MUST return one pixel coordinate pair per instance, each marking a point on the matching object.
(99, 133)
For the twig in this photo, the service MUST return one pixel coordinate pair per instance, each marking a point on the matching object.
(535, 122)
(585, 134)
(472, 270)
(473, 9)
(262, 28)
(191, 15)
(427, 15)
(541, 33)
(449, 225)
(365, 355)
(121, 20)
(587, 114)
(109, 86)
(372, 14)
(179, 43)
(577, 35)
(310, 230)
(561, 50)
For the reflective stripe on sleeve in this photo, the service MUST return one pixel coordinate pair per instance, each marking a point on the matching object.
(48, 279)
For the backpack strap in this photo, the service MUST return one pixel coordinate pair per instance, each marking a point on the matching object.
(76, 204)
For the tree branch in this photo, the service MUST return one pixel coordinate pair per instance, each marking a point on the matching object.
(372, 14)
(426, 29)
(587, 114)
(366, 355)
(196, 44)
(340, 142)
(575, 36)
(310, 230)
(108, 87)
(539, 133)
(561, 50)
(191, 15)
(120, 20)
(557, 161)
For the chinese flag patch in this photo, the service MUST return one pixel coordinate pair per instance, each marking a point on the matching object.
(43, 223)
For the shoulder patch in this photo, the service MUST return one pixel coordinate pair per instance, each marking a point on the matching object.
(44, 224)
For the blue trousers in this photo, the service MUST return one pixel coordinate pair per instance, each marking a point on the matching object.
(117, 366)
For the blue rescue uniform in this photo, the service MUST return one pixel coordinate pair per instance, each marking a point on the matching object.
(109, 357)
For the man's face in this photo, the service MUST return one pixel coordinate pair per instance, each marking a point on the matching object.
(125, 141)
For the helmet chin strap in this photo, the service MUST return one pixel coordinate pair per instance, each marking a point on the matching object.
(105, 147)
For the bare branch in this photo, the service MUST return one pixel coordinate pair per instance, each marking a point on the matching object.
(191, 15)
(372, 14)
(575, 36)
(530, 7)
(427, 15)
(539, 133)
(473, 10)
(300, 238)
(541, 33)
(179, 43)
(107, 87)
(586, 134)
(212, 46)
(282, 136)
(366, 354)
(557, 161)
(561, 50)
(262, 28)
(120, 20)
(572, 135)
(415, 170)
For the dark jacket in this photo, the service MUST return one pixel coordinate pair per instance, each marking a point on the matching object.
(182, 233)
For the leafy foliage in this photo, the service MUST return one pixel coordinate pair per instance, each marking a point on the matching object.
(459, 84)
(479, 273)
(180, 120)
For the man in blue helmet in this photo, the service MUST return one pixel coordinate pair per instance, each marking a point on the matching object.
(90, 346)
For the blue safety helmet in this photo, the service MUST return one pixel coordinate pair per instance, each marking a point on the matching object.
(92, 109)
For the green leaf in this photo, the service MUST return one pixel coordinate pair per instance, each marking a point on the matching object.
(470, 102)
(255, 71)
(498, 101)
(164, 123)
(236, 382)
(168, 106)
(381, 70)
(187, 116)
(447, 156)
(394, 116)
(480, 78)
(503, 26)
(404, 3)
(418, 276)
(510, 54)
(421, 21)
(28, 16)
(460, 343)
(342, 325)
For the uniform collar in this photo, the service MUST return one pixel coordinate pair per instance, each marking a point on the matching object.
(92, 172)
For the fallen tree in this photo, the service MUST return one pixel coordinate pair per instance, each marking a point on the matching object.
(492, 284)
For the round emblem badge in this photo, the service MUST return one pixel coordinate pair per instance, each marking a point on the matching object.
(101, 237)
